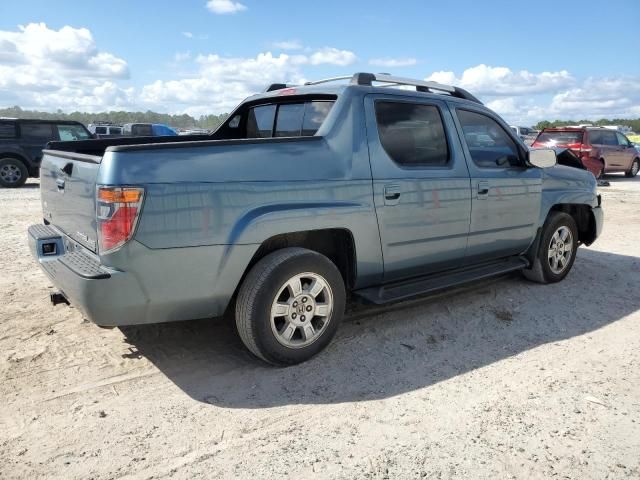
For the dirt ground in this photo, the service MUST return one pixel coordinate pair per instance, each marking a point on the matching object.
(506, 379)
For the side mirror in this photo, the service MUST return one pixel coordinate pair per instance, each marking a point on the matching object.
(542, 157)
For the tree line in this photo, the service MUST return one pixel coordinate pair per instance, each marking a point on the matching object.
(181, 121)
(212, 121)
(634, 124)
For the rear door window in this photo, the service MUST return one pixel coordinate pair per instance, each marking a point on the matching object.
(40, 132)
(412, 134)
(7, 130)
(595, 137)
(609, 138)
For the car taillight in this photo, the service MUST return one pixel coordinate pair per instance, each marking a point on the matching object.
(117, 211)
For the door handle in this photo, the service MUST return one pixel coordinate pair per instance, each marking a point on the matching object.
(391, 194)
(60, 183)
(483, 190)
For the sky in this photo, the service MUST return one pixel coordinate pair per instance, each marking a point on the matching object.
(528, 61)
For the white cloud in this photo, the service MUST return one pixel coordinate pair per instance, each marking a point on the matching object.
(187, 34)
(220, 83)
(287, 45)
(332, 56)
(223, 7)
(45, 68)
(393, 62)
(486, 80)
(182, 56)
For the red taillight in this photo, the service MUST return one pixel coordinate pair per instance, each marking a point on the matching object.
(118, 209)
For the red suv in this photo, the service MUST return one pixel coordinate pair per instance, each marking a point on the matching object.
(601, 150)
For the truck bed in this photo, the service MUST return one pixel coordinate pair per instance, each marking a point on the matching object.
(97, 147)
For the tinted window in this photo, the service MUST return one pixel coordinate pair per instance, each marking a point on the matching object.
(595, 137)
(567, 137)
(609, 138)
(289, 121)
(142, 130)
(115, 130)
(7, 130)
(72, 132)
(488, 143)
(37, 131)
(260, 121)
(314, 115)
(101, 130)
(412, 134)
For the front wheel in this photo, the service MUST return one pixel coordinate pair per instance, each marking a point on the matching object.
(290, 305)
(557, 249)
(635, 167)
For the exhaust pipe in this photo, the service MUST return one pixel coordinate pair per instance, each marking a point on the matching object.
(57, 298)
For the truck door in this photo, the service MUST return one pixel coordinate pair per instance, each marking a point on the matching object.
(420, 184)
(33, 138)
(505, 194)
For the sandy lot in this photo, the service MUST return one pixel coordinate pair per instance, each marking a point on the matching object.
(506, 379)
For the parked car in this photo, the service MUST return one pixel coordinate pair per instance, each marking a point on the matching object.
(525, 133)
(602, 150)
(22, 141)
(147, 130)
(102, 130)
(304, 197)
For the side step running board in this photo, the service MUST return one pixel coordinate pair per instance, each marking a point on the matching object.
(418, 286)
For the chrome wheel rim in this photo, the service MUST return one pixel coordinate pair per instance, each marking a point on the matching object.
(301, 310)
(10, 173)
(560, 249)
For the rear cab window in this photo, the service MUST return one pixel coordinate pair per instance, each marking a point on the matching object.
(8, 130)
(302, 118)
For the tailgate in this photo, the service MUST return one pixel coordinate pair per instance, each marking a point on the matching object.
(68, 190)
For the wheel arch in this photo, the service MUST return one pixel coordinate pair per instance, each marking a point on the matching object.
(337, 244)
(584, 218)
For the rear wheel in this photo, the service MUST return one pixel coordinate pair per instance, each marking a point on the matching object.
(557, 249)
(290, 305)
(13, 173)
(601, 171)
(635, 167)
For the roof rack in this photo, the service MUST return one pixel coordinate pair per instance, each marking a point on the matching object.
(367, 79)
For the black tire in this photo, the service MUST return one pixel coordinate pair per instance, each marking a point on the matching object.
(13, 172)
(541, 271)
(258, 292)
(633, 171)
(601, 172)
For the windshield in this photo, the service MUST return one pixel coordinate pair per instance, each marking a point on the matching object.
(568, 137)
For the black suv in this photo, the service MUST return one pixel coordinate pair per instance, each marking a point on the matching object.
(22, 141)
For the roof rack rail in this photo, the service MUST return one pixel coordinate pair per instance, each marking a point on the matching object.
(362, 78)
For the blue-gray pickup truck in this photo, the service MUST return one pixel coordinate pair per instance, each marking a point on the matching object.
(305, 197)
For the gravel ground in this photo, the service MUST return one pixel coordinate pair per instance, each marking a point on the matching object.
(506, 379)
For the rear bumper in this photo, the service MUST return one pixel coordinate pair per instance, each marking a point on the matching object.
(106, 296)
(598, 217)
(159, 285)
